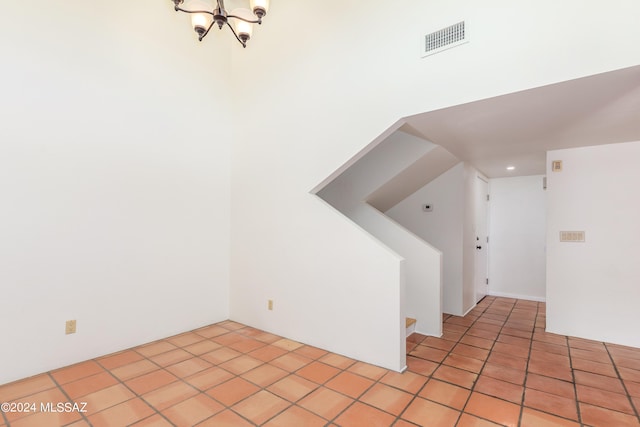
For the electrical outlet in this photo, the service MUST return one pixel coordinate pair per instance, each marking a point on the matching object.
(270, 304)
(70, 327)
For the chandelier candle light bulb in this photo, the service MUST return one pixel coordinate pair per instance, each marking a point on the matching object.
(244, 29)
(260, 7)
(203, 18)
(200, 22)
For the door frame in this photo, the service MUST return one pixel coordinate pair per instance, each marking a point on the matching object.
(482, 200)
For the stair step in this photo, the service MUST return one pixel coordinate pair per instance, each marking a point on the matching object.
(410, 325)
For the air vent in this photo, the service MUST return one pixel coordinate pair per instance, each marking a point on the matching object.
(444, 39)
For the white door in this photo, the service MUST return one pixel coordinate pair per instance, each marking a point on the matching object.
(481, 276)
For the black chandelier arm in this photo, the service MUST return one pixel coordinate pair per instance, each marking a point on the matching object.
(220, 13)
(236, 35)
(179, 9)
(206, 31)
(250, 21)
(204, 34)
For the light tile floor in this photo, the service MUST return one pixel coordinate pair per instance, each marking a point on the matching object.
(495, 366)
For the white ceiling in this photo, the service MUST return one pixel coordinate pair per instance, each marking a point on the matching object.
(517, 129)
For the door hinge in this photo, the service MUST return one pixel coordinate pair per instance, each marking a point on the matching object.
(487, 197)
(487, 239)
(487, 281)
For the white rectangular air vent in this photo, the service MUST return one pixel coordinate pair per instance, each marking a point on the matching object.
(444, 39)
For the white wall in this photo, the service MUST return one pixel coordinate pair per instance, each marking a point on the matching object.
(442, 228)
(517, 256)
(115, 191)
(357, 293)
(592, 287)
(104, 232)
(450, 228)
(375, 167)
(347, 193)
(422, 270)
(317, 86)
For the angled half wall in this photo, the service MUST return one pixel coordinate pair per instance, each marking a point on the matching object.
(377, 178)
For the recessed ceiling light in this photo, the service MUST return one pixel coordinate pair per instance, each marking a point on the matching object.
(510, 168)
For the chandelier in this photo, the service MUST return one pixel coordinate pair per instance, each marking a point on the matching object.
(203, 19)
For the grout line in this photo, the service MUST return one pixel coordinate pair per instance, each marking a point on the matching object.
(4, 419)
(63, 391)
(183, 379)
(131, 390)
(323, 385)
(441, 363)
(430, 376)
(489, 350)
(526, 368)
(515, 316)
(179, 378)
(531, 340)
(357, 399)
(230, 408)
(235, 376)
(624, 386)
(473, 389)
(573, 378)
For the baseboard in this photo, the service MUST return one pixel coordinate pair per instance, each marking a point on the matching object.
(516, 296)
(468, 311)
(463, 314)
(427, 335)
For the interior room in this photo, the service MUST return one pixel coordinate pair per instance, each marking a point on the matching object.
(340, 223)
